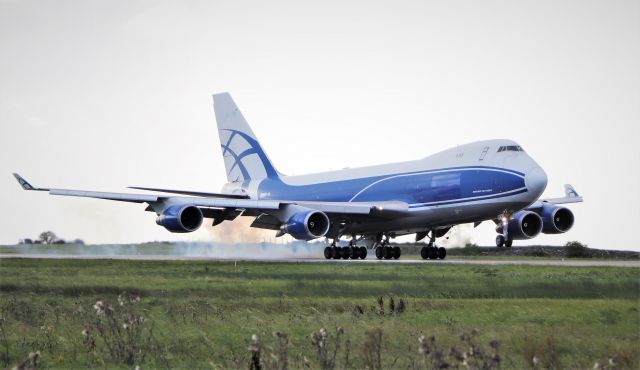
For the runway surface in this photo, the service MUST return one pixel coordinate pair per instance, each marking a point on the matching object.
(453, 261)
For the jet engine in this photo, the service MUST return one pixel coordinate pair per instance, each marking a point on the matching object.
(180, 218)
(523, 225)
(307, 225)
(556, 219)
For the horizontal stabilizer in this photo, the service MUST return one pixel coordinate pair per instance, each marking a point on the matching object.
(571, 196)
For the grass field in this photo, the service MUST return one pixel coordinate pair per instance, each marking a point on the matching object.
(203, 314)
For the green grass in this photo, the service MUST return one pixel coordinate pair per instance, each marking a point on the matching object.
(204, 313)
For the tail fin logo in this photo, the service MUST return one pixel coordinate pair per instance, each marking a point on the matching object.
(570, 192)
(244, 158)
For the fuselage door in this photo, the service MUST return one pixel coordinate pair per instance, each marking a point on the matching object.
(484, 153)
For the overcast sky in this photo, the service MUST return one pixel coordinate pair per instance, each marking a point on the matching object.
(102, 95)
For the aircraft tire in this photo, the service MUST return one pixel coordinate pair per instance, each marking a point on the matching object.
(433, 253)
(500, 240)
(442, 253)
(388, 253)
(363, 253)
(424, 253)
(327, 253)
(379, 252)
(345, 253)
(508, 243)
(396, 252)
(335, 253)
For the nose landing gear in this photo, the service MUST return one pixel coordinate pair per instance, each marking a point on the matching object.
(503, 239)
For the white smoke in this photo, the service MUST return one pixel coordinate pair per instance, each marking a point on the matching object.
(247, 251)
(221, 251)
(239, 231)
(457, 237)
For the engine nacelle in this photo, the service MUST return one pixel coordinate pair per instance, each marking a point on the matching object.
(307, 225)
(556, 219)
(180, 218)
(523, 225)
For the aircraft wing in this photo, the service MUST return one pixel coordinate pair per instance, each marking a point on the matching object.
(250, 207)
(571, 196)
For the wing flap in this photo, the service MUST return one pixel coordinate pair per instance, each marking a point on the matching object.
(193, 193)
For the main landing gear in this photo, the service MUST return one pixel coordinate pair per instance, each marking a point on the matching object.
(431, 251)
(352, 251)
(384, 251)
(388, 252)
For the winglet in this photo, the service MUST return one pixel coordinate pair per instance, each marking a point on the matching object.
(25, 185)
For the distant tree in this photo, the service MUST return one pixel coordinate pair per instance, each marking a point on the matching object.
(47, 237)
(575, 249)
(78, 241)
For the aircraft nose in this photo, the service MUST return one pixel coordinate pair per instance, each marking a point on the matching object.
(536, 181)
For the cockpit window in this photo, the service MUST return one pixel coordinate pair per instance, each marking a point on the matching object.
(510, 148)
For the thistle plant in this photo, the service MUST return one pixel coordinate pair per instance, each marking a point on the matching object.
(472, 355)
(325, 349)
(255, 349)
(121, 330)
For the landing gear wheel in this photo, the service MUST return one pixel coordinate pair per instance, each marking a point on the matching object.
(500, 241)
(363, 253)
(379, 252)
(345, 253)
(327, 253)
(388, 253)
(433, 253)
(396, 252)
(424, 253)
(508, 243)
(354, 252)
(442, 253)
(335, 253)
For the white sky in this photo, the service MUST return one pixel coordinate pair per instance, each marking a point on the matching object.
(102, 95)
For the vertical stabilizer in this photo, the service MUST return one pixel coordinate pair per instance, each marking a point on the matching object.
(570, 192)
(244, 158)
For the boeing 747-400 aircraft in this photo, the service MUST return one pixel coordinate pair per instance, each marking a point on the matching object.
(487, 180)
